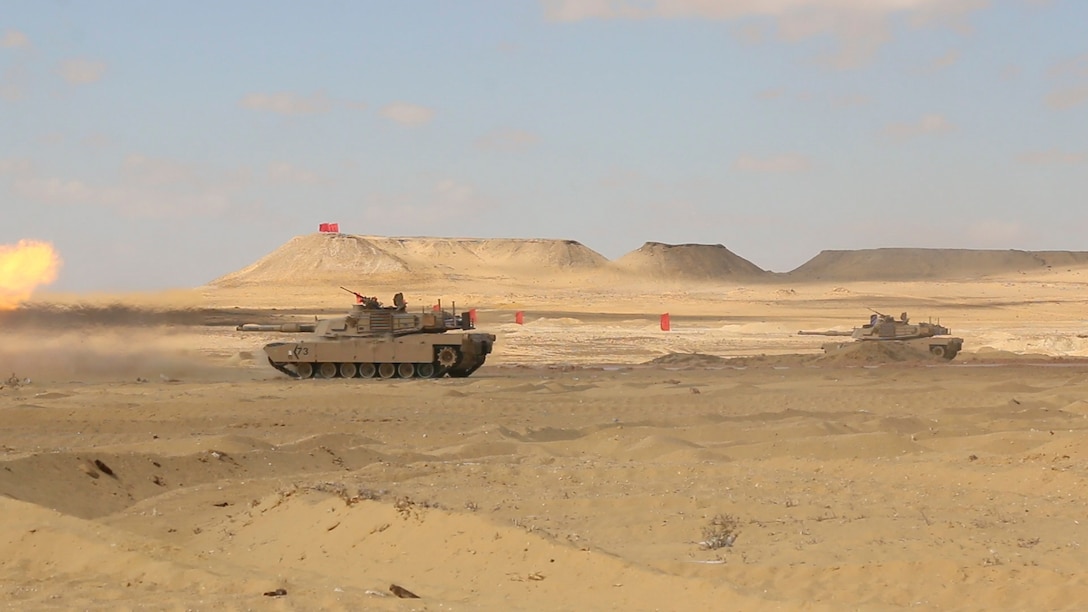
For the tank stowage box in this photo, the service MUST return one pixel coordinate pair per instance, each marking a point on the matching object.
(374, 340)
(932, 337)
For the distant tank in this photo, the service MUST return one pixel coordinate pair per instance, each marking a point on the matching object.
(933, 337)
(373, 340)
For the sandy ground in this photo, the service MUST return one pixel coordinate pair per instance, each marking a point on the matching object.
(153, 461)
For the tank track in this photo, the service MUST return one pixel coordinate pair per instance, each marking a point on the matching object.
(461, 370)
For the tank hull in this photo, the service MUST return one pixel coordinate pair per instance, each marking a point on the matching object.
(386, 356)
(945, 347)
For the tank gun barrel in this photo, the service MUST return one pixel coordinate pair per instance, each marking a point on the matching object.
(829, 332)
(284, 327)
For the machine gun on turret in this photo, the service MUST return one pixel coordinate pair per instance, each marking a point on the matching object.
(367, 302)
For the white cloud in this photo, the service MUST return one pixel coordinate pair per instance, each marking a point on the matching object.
(859, 26)
(1052, 158)
(286, 103)
(82, 71)
(407, 114)
(775, 164)
(13, 39)
(507, 140)
(283, 172)
(927, 124)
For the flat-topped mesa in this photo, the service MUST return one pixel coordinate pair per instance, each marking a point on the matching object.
(384, 341)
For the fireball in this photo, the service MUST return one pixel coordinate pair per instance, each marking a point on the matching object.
(24, 267)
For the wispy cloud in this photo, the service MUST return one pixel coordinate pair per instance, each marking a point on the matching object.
(146, 188)
(1076, 67)
(851, 101)
(12, 83)
(286, 103)
(859, 26)
(1071, 74)
(407, 114)
(1062, 99)
(153, 172)
(12, 39)
(443, 201)
(993, 232)
(947, 60)
(775, 164)
(781, 94)
(14, 167)
(127, 200)
(507, 140)
(1052, 158)
(82, 71)
(927, 124)
(283, 172)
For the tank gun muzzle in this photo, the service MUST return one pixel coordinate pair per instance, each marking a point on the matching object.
(290, 328)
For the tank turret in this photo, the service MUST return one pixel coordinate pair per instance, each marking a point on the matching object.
(934, 337)
(384, 341)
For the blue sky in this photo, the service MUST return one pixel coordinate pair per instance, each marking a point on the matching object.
(162, 144)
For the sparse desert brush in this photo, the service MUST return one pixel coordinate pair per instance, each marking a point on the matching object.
(720, 532)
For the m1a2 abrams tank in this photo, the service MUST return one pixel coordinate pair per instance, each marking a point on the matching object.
(375, 340)
(932, 337)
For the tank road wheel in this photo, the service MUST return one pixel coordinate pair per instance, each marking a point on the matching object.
(326, 370)
(937, 350)
(387, 370)
(304, 369)
(367, 370)
(425, 370)
(448, 357)
(348, 370)
(406, 370)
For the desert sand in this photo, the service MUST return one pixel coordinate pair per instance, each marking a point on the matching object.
(152, 460)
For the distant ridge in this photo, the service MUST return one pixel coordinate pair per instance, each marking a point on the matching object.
(324, 259)
(316, 258)
(688, 261)
(500, 253)
(904, 264)
(337, 258)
